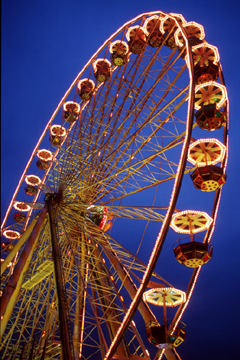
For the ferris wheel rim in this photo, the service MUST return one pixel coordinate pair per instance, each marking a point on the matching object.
(146, 277)
(180, 173)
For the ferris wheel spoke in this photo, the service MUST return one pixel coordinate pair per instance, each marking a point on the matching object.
(128, 284)
(104, 300)
(137, 212)
(84, 319)
(129, 212)
(129, 259)
(145, 141)
(97, 267)
(115, 186)
(132, 171)
(125, 120)
(170, 114)
(115, 250)
(103, 108)
(142, 188)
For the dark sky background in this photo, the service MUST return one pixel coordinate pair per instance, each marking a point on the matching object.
(44, 46)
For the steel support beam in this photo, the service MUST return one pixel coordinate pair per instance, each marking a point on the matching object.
(12, 289)
(63, 311)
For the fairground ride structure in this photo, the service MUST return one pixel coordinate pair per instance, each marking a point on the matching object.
(83, 234)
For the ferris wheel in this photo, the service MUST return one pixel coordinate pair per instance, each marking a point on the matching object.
(83, 234)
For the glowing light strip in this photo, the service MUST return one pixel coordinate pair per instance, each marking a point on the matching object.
(16, 206)
(85, 286)
(214, 215)
(177, 16)
(84, 310)
(191, 23)
(104, 61)
(188, 298)
(41, 157)
(28, 180)
(154, 17)
(58, 127)
(70, 103)
(191, 213)
(219, 157)
(205, 45)
(88, 80)
(123, 43)
(213, 83)
(208, 239)
(168, 291)
(172, 203)
(139, 29)
(17, 234)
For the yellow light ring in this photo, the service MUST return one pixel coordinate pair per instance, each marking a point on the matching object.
(83, 80)
(209, 93)
(204, 52)
(179, 17)
(136, 29)
(173, 297)
(11, 234)
(21, 206)
(95, 63)
(168, 22)
(211, 151)
(58, 130)
(33, 180)
(149, 24)
(192, 29)
(190, 221)
(115, 46)
(77, 111)
(45, 155)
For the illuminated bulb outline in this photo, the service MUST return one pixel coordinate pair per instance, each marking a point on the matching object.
(218, 158)
(119, 42)
(147, 298)
(203, 214)
(50, 155)
(58, 127)
(214, 49)
(214, 83)
(69, 103)
(204, 45)
(17, 203)
(171, 23)
(31, 183)
(17, 234)
(156, 246)
(179, 16)
(98, 60)
(154, 17)
(89, 80)
(139, 28)
(191, 23)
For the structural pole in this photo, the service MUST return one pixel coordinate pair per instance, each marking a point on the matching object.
(63, 311)
(14, 284)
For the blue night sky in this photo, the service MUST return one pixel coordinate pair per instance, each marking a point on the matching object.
(44, 46)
